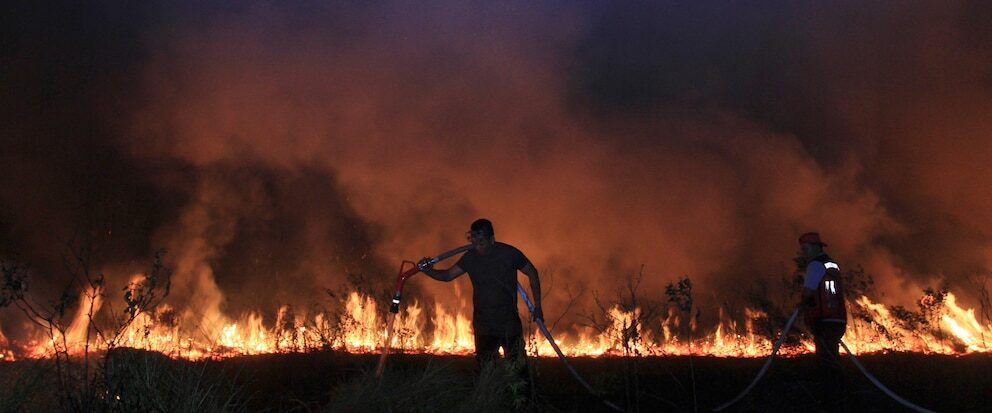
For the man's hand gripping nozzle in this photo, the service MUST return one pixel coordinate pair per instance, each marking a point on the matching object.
(394, 305)
(424, 264)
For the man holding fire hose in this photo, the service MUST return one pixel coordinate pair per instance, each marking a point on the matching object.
(825, 315)
(492, 267)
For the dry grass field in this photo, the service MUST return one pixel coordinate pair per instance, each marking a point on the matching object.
(334, 381)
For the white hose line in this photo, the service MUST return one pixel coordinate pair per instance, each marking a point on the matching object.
(547, 335)
(768, 362)
(880, 385)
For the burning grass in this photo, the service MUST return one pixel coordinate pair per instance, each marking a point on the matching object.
(642, 352)
(359, 329)
(629, 323)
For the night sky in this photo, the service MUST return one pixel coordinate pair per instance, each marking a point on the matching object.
(274, 149)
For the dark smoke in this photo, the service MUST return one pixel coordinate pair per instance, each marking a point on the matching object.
(274, 149)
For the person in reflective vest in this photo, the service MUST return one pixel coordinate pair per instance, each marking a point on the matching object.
(825, 314)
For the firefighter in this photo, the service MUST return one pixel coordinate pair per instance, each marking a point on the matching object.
(492, 267)
(825, 315)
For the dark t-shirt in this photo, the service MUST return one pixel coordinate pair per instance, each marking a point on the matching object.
(494, 289)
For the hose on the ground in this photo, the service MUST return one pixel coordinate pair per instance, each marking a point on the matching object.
(768, 362)
(882, 386)
(854, 359)
(547, 335)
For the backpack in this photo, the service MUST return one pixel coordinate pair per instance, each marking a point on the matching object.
(828, 301)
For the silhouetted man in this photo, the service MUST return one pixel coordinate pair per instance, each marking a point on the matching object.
(492, 267)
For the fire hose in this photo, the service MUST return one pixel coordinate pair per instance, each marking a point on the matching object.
(778, 344)
(564, 360)
(882, 386)
(394, 308)
(404, 275)
(768, 362)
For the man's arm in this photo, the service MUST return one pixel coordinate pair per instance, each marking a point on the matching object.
(444, 275)
(535, 289)
(808, 297)
(811, 283)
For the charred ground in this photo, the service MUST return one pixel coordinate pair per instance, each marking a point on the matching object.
(335, 381)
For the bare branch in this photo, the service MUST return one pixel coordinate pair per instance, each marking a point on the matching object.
(572, 299)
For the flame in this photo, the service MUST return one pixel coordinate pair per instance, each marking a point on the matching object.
(5, 353)
(359, 328)
(78, 334)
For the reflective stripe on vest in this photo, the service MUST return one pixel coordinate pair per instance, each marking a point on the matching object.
(831, 285)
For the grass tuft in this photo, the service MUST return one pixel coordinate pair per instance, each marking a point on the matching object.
(436, 388)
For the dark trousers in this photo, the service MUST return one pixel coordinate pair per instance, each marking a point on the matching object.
(487, 347)
(515, 364)
(830, 376)
(487, 351)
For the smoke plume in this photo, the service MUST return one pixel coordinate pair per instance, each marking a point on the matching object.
(276, 149)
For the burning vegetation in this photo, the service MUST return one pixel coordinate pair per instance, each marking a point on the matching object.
(631, 323)
(134, 352)
(655, 160)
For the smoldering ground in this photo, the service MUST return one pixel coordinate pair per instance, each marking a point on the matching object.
(273, 149)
